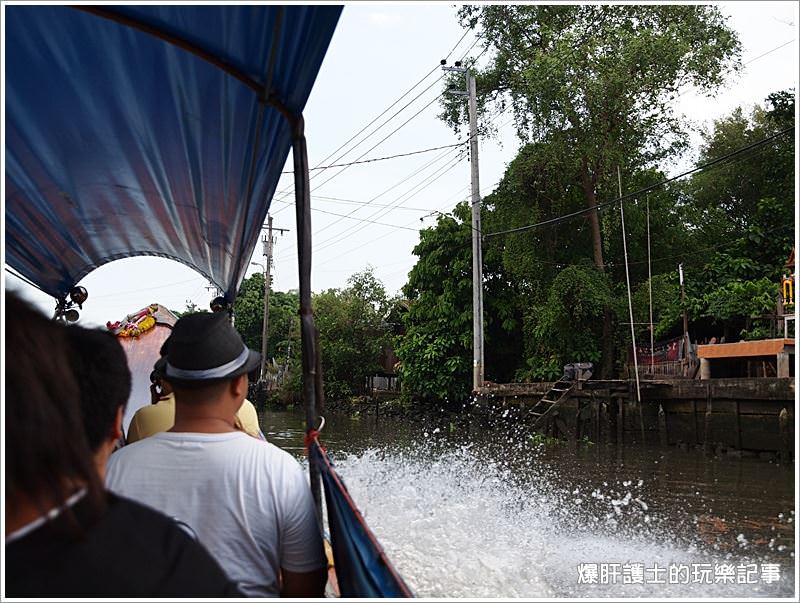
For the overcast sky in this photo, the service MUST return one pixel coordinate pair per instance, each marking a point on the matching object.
(379, 51)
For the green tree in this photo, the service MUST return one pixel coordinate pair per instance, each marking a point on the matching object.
(190, 308)
(283, 317)
(727, 200)
(566, 326)
(592, 88)
(353, 332)
(436, 350)
(743, 216)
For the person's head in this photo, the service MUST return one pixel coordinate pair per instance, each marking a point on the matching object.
(159, 386)
(104, 380)
(207, 361)
(47, 452)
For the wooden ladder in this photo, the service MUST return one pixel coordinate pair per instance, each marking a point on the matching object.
(555, 395)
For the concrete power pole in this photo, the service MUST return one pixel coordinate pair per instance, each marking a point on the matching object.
(477, 252)
(267, 242)
(267, 265)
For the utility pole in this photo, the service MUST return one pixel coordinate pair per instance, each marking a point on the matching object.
(267, 241)
(477, 253)
(267, 267)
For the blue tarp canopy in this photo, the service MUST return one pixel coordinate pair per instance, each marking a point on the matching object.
(149, 130)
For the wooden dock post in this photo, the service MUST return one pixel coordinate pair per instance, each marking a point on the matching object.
(784, 424)
(707, 426)
(662, 426)
(611, 420)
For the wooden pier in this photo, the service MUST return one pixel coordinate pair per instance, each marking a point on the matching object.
(731, 415)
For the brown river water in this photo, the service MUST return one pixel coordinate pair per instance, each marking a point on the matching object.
(491, 513)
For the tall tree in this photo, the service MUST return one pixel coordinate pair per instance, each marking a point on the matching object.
(595, 84)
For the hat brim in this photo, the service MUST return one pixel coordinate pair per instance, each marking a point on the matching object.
(253, 362)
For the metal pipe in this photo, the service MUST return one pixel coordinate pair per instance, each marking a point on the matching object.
(628, 281)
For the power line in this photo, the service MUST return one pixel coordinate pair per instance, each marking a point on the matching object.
(287, 193)
(339, 200)
(384, 139)
(768, 52)
(361, 219)
(325, 167)
(373, 147)
(118, 293)
(420, 186)
(695, 252)
(351, 230)
(378, 196)
(426, 76)
(464, 35)
(643, 190)
(361, 228)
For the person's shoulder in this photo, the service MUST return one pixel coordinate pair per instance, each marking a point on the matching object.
(131, 451)
(148, 529)
(154, 410)
(268, 452)
(130, 512)
(150, 534)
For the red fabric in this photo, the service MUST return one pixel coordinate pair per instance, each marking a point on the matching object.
(312, 435)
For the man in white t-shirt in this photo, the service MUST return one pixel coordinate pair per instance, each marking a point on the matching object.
(248, 501)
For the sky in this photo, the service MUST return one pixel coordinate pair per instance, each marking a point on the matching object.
(378, 52)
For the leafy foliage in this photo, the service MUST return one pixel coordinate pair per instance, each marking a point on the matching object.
(353, 333)
(436, 349)
(567, 325)
(284, 323)
(591, 88)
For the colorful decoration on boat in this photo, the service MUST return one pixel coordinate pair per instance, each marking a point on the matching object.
(135, 324)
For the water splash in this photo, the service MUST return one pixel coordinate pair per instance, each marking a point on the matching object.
(458, 522)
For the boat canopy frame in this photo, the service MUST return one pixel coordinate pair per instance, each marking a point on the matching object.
(266, 97)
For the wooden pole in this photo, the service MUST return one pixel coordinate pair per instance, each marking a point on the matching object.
(784, 425)
(650, 287)
(738, 427)
(707, 426)
(630, 302)
(662, 426)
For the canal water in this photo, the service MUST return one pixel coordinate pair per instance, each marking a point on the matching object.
(495, 513)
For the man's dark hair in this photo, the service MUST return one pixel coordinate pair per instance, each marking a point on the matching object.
(104, 379)
(47, 453)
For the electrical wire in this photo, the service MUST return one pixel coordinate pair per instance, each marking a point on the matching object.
(634, 194)
(286, 193)
(447, 146)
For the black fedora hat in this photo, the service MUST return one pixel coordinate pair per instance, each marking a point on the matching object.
(206, 347)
